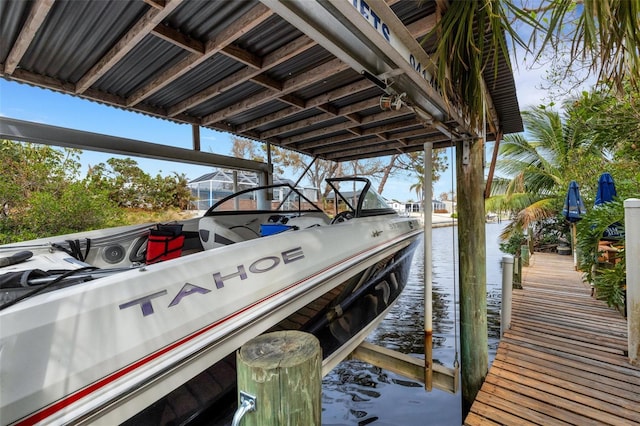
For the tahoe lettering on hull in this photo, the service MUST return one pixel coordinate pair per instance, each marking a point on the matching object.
(220, 278)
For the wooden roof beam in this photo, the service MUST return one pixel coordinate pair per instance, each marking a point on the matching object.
(344, 138)
(353, 150)
(345, 126)
(346, 112)
(378, 150)
(242, 55)
(376, 131)
(158, 4)
(291, 85)
(94, 95)
(178, 38)
(327, 141)
(185, 42)
(300, 124)
(310, 103)
(141, 29)
(236, 29)
(283, 54)
(37, 14)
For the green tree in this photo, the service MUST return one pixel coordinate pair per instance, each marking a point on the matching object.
(42, 195)
(602, 34)
(281, 158)
(413, 163)
(537, 167)
(131, 187)
(607, 281)
(613, 125)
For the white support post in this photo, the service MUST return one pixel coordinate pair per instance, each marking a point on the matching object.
(632, 254)
(507, 290)
(428, 297)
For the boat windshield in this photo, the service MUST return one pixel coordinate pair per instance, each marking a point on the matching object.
(276, 198)
(356, 194)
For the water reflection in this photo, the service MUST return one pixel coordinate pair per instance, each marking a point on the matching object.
(355, 393)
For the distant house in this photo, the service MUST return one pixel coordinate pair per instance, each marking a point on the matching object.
(398, 206)
(415, 208)
(439, 206)
(210, 188)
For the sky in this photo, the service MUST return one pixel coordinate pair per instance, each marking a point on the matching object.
(24, 102)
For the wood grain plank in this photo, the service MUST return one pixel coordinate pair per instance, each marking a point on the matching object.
(564, 359)
(524, 407)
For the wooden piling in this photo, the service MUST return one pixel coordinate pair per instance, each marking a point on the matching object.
(474, 352)
(283, 371)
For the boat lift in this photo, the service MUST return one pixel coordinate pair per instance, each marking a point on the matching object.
(367, 36)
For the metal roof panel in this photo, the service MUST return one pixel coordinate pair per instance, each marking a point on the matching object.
(264, 77)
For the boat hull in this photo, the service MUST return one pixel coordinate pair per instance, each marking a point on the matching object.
(105, 349)
(341, 319)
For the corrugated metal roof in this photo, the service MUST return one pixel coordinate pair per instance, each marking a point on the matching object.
(227, 65)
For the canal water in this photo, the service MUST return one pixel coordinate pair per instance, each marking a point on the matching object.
(355, 393)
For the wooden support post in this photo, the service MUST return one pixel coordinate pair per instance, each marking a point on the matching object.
(492, 167)
(443, 378)
(524, 254)
(632, 254)
(195, 132)
(474, 352)
(283, 371)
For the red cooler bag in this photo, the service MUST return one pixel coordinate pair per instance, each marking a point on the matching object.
(164, 243)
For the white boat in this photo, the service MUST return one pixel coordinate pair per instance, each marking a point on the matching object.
(115, 325)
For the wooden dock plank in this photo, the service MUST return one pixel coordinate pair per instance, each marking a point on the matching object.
(619, 378)
(524, 407)
(564, 360)
(576, 375)
(503, 398)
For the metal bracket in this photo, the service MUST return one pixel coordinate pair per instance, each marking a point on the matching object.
(466, 152)
(248, 403)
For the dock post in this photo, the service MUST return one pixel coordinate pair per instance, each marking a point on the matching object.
(474, 347)
(632, 254)
(283, 371)
(524, 254)
(507, 290)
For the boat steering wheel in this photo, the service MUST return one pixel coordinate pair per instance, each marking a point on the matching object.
(342, 217)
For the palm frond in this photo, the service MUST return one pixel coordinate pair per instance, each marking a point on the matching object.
(470, 38)
(603, 34)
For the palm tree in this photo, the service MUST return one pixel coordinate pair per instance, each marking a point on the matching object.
(538, 167)
(418, 188)
(601, 33)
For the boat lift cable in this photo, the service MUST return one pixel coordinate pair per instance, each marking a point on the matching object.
(456, 363)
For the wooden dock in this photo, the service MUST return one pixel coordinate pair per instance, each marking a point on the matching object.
(564, 359)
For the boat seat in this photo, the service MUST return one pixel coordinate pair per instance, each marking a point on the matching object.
(214, 234)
